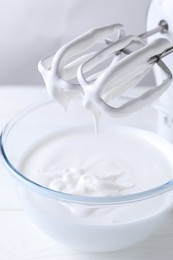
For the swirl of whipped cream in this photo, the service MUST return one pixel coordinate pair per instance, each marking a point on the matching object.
(103, 178)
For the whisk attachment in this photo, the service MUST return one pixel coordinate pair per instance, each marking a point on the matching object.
(121, 76)
(62, 70)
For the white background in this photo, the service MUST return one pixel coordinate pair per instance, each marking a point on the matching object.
(31, 29)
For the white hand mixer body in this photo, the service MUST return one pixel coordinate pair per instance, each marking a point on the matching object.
(119, 76)
(162, 9)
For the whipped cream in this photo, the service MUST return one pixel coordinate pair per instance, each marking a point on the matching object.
(59, 146)
(110, 164)
(101, 178)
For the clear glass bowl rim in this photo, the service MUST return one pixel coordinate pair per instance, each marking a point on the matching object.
(70, 198)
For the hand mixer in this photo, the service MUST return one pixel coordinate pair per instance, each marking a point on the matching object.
(121, 74)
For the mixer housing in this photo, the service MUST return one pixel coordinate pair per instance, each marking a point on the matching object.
(162, 10)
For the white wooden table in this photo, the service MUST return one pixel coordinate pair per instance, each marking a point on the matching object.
(21, 239)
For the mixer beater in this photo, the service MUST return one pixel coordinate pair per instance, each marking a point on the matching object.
(66, 72)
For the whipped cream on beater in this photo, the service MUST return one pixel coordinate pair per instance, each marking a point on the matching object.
(98, 90)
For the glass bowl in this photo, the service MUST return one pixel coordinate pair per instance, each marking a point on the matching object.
(33, 141)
